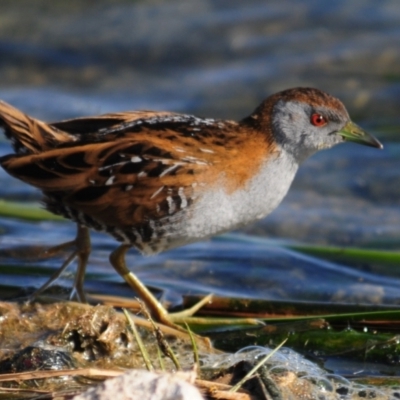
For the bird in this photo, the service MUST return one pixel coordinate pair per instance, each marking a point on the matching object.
(156, 180)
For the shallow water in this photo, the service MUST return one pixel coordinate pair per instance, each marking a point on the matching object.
(210, 59)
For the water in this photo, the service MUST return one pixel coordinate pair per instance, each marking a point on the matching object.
(60, 60)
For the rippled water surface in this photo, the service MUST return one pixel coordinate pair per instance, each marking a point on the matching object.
(220, 59)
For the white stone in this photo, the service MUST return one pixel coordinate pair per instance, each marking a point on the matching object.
(145, 385)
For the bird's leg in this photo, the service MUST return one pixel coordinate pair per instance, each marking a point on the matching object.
(158, 312)
(81, 251)
(117, 260)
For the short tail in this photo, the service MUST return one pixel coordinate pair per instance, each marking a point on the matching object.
(29, 135)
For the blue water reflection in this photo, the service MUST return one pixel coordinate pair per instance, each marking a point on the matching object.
(213, 60)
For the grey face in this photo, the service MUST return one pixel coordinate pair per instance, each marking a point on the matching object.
(299, 130)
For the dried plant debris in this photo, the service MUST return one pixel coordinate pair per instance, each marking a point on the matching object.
(66, 335)
(59, 349)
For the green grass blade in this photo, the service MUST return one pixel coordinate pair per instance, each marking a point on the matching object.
(350, 253)
(26, 211)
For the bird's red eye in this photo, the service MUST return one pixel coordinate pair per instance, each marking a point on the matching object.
(318, 120)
